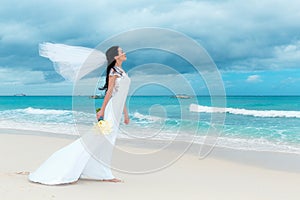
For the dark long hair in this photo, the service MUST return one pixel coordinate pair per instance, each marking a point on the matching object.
(109, 67)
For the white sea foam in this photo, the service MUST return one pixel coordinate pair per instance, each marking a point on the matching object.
(58, 128)
(253, 144)
(241, 111)
(46, 120)
(37, 111)
(146, 117)
(257, 144)
(61, 122)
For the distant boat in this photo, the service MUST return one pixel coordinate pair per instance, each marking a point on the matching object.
(182, 96)
(96, 97)
(20, 95)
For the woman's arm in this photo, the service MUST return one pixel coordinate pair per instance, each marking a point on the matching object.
(111, 84)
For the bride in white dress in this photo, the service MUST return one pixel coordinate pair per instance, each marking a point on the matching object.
(89, 156)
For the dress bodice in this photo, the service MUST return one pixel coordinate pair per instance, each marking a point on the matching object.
(119, 94)
(122, 82)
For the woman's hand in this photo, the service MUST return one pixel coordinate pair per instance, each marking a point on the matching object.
(126, 119)
(100, 113)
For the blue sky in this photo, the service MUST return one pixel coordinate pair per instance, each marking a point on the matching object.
(255, 45)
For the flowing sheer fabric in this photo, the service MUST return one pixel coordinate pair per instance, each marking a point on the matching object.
(69, 60)
(88, 157)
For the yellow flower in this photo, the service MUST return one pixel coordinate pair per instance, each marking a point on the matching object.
(104, 127)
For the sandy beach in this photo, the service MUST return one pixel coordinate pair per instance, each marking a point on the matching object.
(222, 175)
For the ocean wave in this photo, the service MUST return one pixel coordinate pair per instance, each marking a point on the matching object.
(257, 144)
(154, 121)
(45, 120)
(241, 111)
(62, 122)
(37, 111)
(149, 118)
(57, 128)
(35, 115)
(253, 144)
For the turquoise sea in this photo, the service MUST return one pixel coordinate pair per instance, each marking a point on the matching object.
(259, 123)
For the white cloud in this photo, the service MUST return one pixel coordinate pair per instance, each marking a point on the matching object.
(253, 79)
(15, 81)
(288, 53)
(15, 32)
(158, 84)
(20, 77)
(264, 37)
(285, 56)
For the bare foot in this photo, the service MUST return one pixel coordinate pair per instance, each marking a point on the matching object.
(23, 173)
(114, 180)
(72, 183)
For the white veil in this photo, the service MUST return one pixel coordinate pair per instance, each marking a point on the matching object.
(69, 60)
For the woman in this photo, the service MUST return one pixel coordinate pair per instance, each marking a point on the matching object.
(76, 160)
(114, 72)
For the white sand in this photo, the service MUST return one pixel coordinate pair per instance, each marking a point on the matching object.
(188, 178)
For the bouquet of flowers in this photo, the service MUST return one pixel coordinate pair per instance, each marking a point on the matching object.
(104, 126)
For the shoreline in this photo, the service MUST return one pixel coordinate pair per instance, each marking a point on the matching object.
(188, 177)
(278, 161)
(281, 161)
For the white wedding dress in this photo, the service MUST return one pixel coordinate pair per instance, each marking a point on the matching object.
(89, 156)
